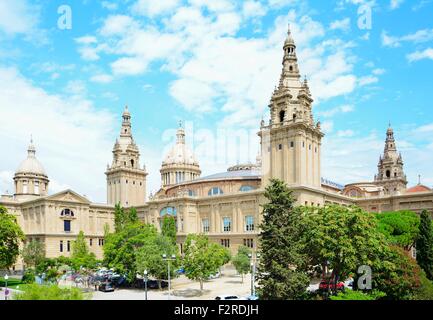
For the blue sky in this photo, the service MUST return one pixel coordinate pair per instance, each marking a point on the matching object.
(212, 64)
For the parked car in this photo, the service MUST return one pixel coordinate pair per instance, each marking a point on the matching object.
(215, 276)
(106, 287)
(153, 284)
(181, 270)
(326, 285)
(228, 297)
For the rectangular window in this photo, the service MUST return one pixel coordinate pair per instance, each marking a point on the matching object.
(36, 187)
(225, 243)
(249, 243)
(249, 223)
(205, 223)
(292, 144)
(67, 225)
(280, 147)
(68, 244)
(227, 224)
(61, 246)
(90, 242)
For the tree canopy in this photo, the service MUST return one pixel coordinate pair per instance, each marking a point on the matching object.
(123, 217)
(11, 236)
(400, 228)
(168, 228)
(424, 245)
(81, 255)
(33, 253)
(241, 261)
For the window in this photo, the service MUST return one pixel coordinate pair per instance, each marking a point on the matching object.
(309, 147)
(249, 223)
(227, 224)
(132, 163)
(171, 211)
(67, 213)
(303, 144)
(191, 193)
(292, 144)
(25, 186)
(100, 242)
(205, 224)
(225, 243)
(67, 225)
(90, 242)
(61, 246)
(282, 114)
(249, 243)
(215, 191)
(68, 246)
(246, 188)
(280, 147)
(388, 174)
(36, 187)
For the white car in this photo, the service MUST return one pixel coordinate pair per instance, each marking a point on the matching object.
(229, 297)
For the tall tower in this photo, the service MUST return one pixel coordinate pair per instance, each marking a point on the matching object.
(390, 168)
(291, 142)
(126, 181)
(30, 178)
(180, 164)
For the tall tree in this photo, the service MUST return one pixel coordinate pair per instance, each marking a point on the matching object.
(241, 261)
(33, 253)
(11, 236)
(281, 270)
(168, 228)
(202, 259)
(400, 228)
(124, 217)
(81, 255)
(424, 245)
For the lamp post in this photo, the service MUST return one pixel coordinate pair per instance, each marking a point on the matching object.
(6, 285)
(145, 283)
(164, 257)
(253, 259)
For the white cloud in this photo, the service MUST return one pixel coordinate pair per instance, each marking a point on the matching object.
(253, 8)
(420, 36)
(153, 8)
(340, 109)
(395, 4)
(74, 143)
(18, 17)
(281, 3)
(343, 24)
(117, 25)
(102, 78)
(420, 55)
(109, 5)
(364, 81)
(379, 71)
(86, 40)
(345, 133)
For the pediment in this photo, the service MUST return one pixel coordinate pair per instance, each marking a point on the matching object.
(68, 196)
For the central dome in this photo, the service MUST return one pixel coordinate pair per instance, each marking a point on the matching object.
(31, 165)
(180, 153)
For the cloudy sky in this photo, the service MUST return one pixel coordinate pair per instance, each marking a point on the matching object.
(212, 64)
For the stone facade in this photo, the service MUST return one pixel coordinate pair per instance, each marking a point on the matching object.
(226, 206)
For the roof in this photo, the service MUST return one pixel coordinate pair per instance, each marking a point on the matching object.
(237, 174)
(31, 165)
(418, 188)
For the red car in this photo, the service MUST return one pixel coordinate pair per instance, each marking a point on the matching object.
(326, 285)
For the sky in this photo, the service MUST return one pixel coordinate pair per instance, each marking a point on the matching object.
(68, 68)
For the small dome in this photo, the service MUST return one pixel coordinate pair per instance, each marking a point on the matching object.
(31, 165)
(180, 153)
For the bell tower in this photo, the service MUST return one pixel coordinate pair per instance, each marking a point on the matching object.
(291, 141)
(391, 174)
(126, 181)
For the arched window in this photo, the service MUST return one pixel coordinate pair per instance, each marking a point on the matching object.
(215, 191)
(132, 163)
(171, 211)
(246, 188)
(291, 68)
(388, 174)
(282, 114)
(67, 213)
(191, 193)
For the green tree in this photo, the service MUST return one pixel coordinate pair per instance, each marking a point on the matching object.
(281, 270)
(168, 228)
(342, 238)
(51, 292)
(241, 261)
(400, 228)
(149, 257)
(33, 253)
(81, 255)
(201, 259)
(120, 247)
(11, 236)
(424, 245)
(124, 217)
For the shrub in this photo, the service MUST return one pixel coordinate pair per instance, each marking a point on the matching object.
(51, 292)
(358, 295)
(28, 276)
(425, 291)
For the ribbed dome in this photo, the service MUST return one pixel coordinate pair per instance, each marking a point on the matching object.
(31, 165)
(180, 153)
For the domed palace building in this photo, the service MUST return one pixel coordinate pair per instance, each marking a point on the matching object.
(226, 206)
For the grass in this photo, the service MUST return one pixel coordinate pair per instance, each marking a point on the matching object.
(12, 283)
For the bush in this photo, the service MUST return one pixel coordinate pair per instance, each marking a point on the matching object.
(28, 276)
(425, 291)
(358, 295)
(51, 292)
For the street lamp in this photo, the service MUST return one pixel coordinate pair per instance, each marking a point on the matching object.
(145, 283)
(164, 257)
(6, 285)
(253, 260)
